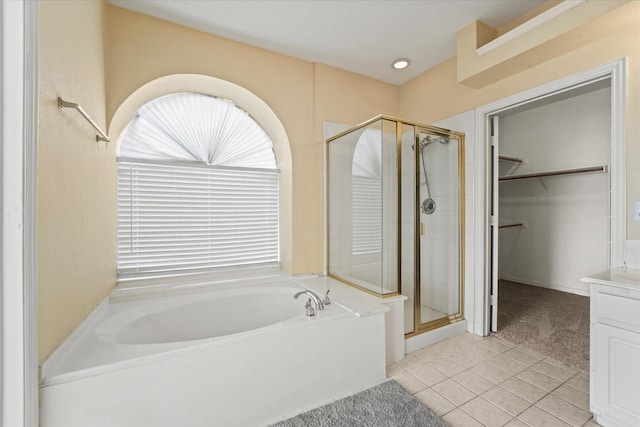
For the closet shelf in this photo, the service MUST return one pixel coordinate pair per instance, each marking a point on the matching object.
(514, 225)
(603, 168)
(510, 159)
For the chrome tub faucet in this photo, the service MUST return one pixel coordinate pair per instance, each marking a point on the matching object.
(313, 304)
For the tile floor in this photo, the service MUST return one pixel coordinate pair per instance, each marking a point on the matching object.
(474, 381)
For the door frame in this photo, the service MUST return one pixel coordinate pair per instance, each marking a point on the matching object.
(616, 71)
(18, 280)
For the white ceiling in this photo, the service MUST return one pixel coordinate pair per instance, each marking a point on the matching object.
(356, 35)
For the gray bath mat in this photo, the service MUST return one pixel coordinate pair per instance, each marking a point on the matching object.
(385, 405)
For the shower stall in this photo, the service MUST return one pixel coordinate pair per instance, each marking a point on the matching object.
(395, 194)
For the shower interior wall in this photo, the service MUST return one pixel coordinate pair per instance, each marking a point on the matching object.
(439, 255)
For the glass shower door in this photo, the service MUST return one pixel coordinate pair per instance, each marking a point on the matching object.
(440, 214)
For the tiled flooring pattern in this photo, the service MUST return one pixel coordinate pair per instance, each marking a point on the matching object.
(473, 381)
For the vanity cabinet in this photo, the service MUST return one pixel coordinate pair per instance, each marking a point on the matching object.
(615, 347)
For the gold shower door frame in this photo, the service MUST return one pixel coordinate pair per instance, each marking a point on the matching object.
(418, 327)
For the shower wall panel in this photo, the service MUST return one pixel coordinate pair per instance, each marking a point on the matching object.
(339, 207)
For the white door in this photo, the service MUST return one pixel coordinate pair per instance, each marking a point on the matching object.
(493, 223)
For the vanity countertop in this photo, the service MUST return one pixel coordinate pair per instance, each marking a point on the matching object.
(623, 277)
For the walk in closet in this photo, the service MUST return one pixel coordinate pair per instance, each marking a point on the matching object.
(552, 211)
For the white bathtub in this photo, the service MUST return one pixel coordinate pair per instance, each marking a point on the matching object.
(197, 317)
(243, 354)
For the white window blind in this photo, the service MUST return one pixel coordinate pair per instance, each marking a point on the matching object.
(197, 188)
(366, 193)
(185, 218)
(366, 214)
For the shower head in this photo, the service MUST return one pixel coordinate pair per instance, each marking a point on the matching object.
(428, 139)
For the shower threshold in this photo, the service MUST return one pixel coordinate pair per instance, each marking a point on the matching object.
(427, 314)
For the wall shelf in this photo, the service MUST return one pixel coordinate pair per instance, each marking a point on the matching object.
(510, 159)
(603, 168)
(513, 225)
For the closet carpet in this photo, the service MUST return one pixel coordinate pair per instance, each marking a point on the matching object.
(552, 323)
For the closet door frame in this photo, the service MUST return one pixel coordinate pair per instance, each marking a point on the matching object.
(616, 71)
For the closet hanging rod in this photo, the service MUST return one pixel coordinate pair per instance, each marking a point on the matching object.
(65, 104)
(603, 168)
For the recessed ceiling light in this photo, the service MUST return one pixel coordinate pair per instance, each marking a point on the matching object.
(401, 63)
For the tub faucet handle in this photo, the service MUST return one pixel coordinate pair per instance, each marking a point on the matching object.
(309, 307)
(326, 300)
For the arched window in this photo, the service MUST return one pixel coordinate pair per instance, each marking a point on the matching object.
(197, 188)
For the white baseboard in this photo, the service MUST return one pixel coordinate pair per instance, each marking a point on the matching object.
(583, 290)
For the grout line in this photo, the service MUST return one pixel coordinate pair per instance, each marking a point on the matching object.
(565, 400)
(465, 346)
(561, 420)
(574, 387)
(473, 418)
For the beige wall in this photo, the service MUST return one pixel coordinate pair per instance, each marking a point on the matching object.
(76, 175)
(538, 45)
(302, 94)
(344, 97)
(347, 98)
(436, 94)
(77, 223)
(141, 49)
